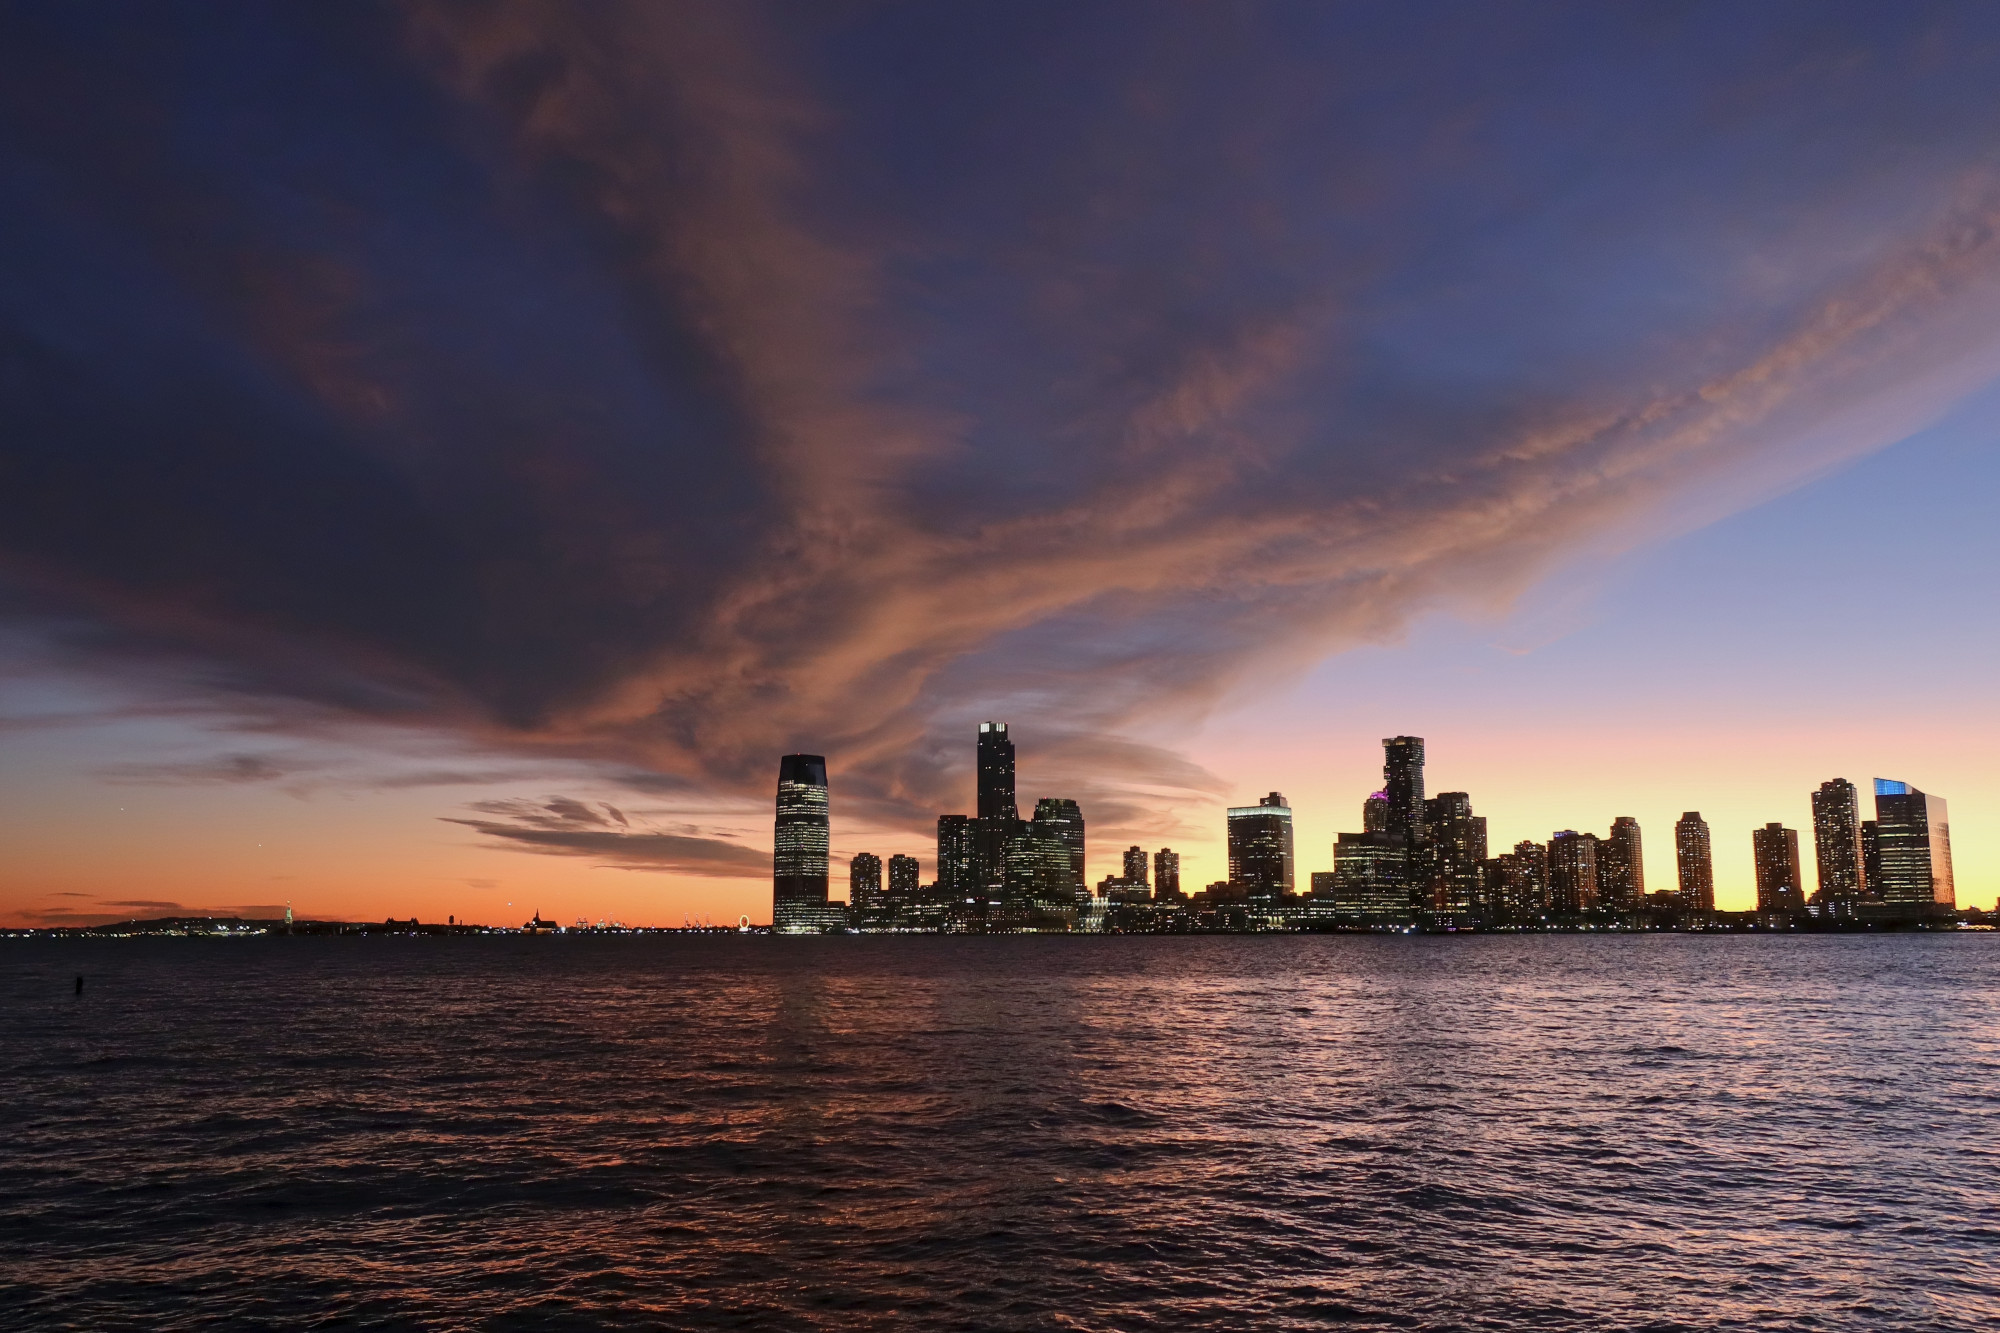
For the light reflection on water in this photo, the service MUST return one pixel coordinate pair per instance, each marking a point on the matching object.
(1002, 1133)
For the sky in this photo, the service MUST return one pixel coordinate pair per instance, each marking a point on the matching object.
(449, 452)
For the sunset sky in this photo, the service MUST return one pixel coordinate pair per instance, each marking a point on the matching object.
(449, 452)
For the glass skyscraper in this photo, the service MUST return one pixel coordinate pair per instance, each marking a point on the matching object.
(1260, 847)
(1060, 818)
(799, 856)
(1913, 841)
(1403, 784)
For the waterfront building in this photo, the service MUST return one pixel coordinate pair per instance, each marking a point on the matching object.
(1520, 882)
(1621, 868)
(1403, 784)
(903, 872)
(1913, 838)
(999, 817)
(864, 883)
(1167, 875)
(800, 846)
(1062, 818)
(1780, 886)
(1454, 854)
(1837, 850)
(1038, 870)
(1371, 878)
(1871, 858)
(1260, 847)
(1572, 871)
(1375, 813)
(1695, 860)
(957, 858)
(1136, 869)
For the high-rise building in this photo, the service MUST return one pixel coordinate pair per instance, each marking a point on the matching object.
(1521, 887)
(903, 872)
(957, 858)
(1454, 854)
(1167, 874)
(1135, 865)
(1913, 835)
(1061, 818)
(1836, 808)
(1375, 813)
(1621, 869)
(1695, 860)
(1871, 859)
(999, 817)
(1371, 877)
(1572, 871)
(1038, 869)
(799, 855)
(864, 882)
(1260, 847)
(1780, 886)
(1403, 784)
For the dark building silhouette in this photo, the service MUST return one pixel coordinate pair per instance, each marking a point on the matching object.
(1520, 883)
(1837, 850)
(1371, 878)
(1060, 817)
(1403, 784)
(1621, 868)
(1038, 868)
(957, 858)
(799, 856)
(1780, 886)
(1572, 871)
(903, 872)
(999, 817)
(1136, 870)
(1167, 874)
(1871, 858)
(1260, 847)
(1695, 859)
(1455, 853)
(864, 882)
(1375, 813)
(1913, 837)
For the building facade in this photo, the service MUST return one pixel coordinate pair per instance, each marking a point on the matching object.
(903, 877)
(1371, 878)
(1167, 875)
(1913, 838)
(1572, 872)
(957, 858)
(1260, 847)
(800, 847)
(1780, 886)
(1403, 784)
(1621, 866)
(1837, 851)
(864, 883)
(1062, 819)
(1694, 858)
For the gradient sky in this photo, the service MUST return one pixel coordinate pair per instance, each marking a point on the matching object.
(448, 452)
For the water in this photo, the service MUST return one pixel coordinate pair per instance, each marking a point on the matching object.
(1028, 1133)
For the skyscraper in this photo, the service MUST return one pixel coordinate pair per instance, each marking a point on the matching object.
(1780, 886)
(1573, 871)
(1135, 865)
(1695, 861)
(1375, 813)
(957, 854)
(1403, 784)
(1914, 840)
(1836, 808)
(864, 883)
(1454, 854)
(1371, 878)
(999, 818)
(1061, 818)
(1523, 887)
(1167, 874)
(903, 871)
(1260, 847)
(1871, 859)
(1621, 870)
(799, 856)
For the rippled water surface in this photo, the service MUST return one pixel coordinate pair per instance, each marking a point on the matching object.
(1254, 1133)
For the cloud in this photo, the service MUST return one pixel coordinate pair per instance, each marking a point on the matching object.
(661, 389)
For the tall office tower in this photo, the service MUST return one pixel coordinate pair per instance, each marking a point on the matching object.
(1038, 867)
(1260, 847)
(1871, 859)
(957, 854)
(1780, 886)
(1573, 871)
(1167, 874)
(999, 818)
(799, 856)
(903, 878)
(1062, 818)
(1135, 865)
(1455, 852)
(1403, 784)
(1695, 861)
(1836, 808)
(864, 882)
(1621, 873)
(1371, 877)
(1913, 835)
(1375, 813)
